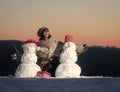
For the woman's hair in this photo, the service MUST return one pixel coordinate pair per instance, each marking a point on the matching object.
(42, 33)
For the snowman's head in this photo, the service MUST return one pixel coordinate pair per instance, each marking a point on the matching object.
(30, 46)
(69, 45)
(68, 54)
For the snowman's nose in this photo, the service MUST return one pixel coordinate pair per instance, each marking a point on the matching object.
(28, 48)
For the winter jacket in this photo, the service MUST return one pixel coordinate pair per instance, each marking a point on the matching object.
(47, 48)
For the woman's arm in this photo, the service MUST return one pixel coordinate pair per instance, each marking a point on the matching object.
(82, 48)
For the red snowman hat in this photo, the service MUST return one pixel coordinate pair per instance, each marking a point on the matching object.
(31, 41)
(68, 38)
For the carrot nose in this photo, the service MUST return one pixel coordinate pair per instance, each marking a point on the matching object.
(28, 48)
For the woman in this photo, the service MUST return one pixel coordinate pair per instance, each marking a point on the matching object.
(48, 55)
(50, 51)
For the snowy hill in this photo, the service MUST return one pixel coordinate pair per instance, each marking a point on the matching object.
(7, 66)
(100, 61)
(11, 84)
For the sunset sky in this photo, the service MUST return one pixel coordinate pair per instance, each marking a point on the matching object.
(94, 22)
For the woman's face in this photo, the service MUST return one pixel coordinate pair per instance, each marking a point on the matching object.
(46, 33)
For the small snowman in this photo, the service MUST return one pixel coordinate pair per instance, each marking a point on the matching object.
(28, 67)
(68, 58)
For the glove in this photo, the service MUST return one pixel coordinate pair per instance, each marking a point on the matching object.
(43, 74)
(82, 48)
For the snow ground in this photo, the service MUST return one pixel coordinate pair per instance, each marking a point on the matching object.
(84, 84)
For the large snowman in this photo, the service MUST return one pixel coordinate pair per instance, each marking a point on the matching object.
(28, 67)
(68, 58)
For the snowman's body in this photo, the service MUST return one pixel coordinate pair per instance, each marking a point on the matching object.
(68, 58)
(28, 67)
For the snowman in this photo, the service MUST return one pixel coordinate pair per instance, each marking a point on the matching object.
(28, 67)
(68, 58)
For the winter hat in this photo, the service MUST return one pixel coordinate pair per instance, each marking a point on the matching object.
(68, 38)
(41, 30)
(30, 42)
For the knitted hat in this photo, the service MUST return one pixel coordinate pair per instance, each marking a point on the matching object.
(41, 30)
(31, 42)
(68, 38)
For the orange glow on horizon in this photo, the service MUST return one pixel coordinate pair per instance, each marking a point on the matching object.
(77, 41)
(95, 22)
